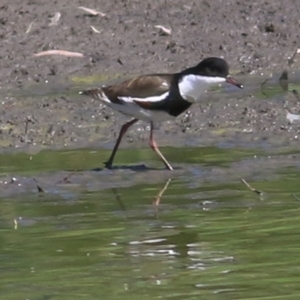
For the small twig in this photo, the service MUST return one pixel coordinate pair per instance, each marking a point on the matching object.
(15, 224)
(66, 179)
(163, 30)
(59, 52)
(251, 188)
(296, 197)
(263, 85)
(28, 120)
(95, 29)
(29, 27)
(92, 12)
(161, 192)
(119, 200)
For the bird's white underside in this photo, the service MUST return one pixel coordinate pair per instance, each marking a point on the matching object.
(191, 87)
(130, 108)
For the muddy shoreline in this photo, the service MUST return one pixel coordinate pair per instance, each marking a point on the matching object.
(40, 105)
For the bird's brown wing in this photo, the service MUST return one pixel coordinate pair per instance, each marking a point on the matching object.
(141, 87)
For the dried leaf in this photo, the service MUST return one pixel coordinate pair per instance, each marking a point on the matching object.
(163, 30)
(59, 52)
(92, 12)
(54, 20)
(292, 117)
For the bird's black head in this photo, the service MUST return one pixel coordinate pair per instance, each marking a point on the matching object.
(213, 67)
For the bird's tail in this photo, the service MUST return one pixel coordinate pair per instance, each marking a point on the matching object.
(94, 93)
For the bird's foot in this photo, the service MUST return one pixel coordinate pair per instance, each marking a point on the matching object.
(108, 164)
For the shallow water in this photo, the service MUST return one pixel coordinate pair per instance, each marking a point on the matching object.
(147, 233)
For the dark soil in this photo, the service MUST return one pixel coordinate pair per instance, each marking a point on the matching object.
(40, 105)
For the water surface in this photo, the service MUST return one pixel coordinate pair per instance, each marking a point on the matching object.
(112, 235)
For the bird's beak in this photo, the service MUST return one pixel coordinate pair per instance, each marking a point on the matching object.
(231, 80)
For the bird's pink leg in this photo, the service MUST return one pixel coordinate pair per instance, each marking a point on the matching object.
(123, 130)
(154, 147)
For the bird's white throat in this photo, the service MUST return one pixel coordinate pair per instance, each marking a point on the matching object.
(191, 87)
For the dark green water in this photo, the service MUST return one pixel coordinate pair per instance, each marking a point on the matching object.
(103, 235)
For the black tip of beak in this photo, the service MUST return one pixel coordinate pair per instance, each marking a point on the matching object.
(232, 81)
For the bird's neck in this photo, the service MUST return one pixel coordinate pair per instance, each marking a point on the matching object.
(191, 86)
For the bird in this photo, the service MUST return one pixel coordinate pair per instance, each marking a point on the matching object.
(159, 97)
